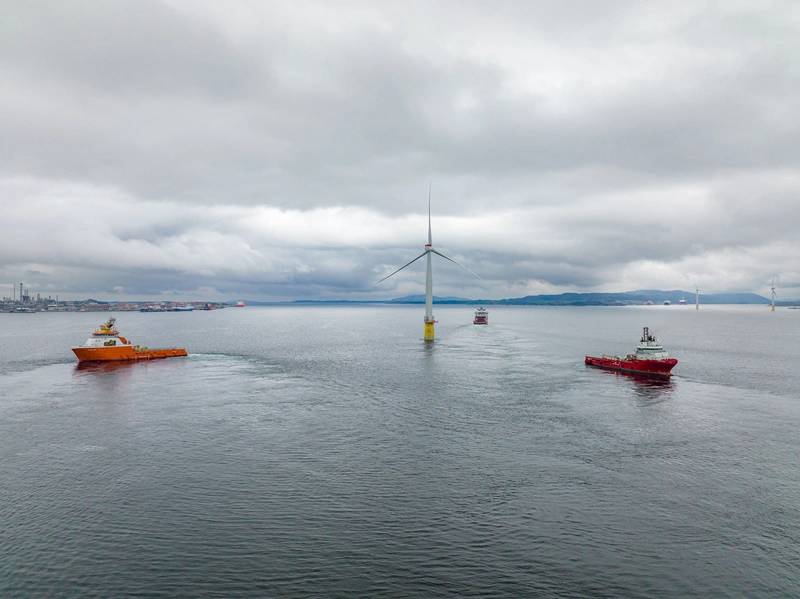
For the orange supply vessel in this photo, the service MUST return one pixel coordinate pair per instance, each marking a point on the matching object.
(107, 345)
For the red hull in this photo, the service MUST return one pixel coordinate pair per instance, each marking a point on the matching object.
(479, 320)
(660, 368)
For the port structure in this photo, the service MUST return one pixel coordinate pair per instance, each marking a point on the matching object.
(429, 328)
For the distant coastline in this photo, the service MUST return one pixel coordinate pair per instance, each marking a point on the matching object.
(47, 304)
(626, 298)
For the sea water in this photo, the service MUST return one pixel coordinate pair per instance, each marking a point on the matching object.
(327, 451)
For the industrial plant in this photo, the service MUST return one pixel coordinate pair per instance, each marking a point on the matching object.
(24, 301)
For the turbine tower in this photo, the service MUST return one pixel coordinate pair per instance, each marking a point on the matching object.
(696, 298)
(772, 294)
(428, 331)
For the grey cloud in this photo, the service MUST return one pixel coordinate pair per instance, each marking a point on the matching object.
(126, 47)
(614, 135)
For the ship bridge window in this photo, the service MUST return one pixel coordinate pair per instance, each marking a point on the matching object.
(101, 341)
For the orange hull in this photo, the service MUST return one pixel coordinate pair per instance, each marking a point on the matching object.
(124, 353)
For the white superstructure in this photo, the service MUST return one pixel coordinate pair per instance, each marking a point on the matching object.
(649, 348)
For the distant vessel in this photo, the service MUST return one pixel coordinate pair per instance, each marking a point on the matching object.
(107, 345)
(650, 358)
(481, 316)
(667, 303)
(240, 304)
(182, 309)
(152, 308)
(682, 301)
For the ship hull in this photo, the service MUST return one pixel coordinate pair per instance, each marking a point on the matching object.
(657, 368)
(481, 321)
(125, 353)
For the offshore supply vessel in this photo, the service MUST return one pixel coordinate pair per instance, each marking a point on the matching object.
(650, 358)
(481, 316)
(107, 345)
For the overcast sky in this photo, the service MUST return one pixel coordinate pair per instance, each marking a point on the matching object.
(218, 150)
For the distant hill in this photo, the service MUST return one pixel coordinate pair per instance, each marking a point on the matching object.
(598, 299)
(633, 297)
(420, 299)
(625, 298)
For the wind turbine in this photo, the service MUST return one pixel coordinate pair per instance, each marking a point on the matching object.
(428, 332)
(696, 298)
(772, 294)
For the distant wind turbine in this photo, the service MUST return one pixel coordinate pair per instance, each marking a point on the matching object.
(696, 298)
(428, 332)
(772, 294)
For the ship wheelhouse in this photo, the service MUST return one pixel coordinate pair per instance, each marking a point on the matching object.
(649, 348)
(105, 341)
(106, 336)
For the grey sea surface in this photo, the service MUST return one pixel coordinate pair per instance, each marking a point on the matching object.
(327, 451)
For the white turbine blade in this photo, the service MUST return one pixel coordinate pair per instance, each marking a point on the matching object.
(430, 241)
(438, 253)
(402, 267)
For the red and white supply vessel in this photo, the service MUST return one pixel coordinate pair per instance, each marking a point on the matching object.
(650, 358)
(481, 316)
